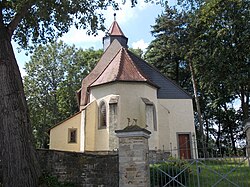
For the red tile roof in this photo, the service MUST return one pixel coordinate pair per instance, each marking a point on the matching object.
(121, 68)
(115, 30)
(119, 64)
(99, 68)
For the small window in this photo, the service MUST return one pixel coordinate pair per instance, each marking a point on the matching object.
(72, 135)
(102, 115)
(151, 118)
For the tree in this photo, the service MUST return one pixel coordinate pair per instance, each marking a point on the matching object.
(54, 74)
(212, 38)
(222, 59)
(138, 52)
(30, 21)
(165, 52)
(170, 52)
(225, 36)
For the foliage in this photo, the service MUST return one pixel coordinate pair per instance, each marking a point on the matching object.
(166, 51)
(212, 37)
(138, 52)
(222, 40)
(40, 21)
(223, 45)
(54, 74)
(162, 173)
(33, 21)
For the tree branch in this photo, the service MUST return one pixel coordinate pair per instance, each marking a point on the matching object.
(19, 16)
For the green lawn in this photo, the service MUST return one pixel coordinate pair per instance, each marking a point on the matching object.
(207, 173)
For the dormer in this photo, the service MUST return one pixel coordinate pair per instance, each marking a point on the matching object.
(113, 33)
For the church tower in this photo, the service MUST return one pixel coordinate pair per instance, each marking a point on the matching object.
(113, 33)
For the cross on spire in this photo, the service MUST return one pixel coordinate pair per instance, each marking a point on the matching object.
(114, 16)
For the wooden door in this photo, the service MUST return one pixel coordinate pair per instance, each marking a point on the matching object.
(184, 146)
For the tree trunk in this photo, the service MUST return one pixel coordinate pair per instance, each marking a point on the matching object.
(230, 124)
(244, 97)
(197, 100)
(20, 166)
(218, 136)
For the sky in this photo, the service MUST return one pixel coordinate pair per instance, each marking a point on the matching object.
(135, 23)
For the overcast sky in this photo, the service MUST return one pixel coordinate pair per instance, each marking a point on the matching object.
(135, 23)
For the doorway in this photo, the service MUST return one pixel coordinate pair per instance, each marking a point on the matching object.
(184, 146)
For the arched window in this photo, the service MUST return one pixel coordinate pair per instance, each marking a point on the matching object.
(102, 115)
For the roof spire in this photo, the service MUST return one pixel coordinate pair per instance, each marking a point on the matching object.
(114, 32)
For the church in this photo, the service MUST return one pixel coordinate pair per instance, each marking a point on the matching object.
(124, 90)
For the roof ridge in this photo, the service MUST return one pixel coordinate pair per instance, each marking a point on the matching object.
(121, 63)
(133, 64)
(105, 67)
(172, 81)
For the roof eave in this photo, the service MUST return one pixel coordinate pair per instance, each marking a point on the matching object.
(126, 81)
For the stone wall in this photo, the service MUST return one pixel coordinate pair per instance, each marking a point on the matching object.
(133, 157)
(158, 156)
(82, 169)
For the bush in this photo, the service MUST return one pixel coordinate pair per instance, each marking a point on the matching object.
(162, 173)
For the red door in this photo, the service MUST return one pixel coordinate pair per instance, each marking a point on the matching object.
(184, 146)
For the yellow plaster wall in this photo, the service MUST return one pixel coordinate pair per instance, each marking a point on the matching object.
(102, 134)
(173, 115)
(59, 135)
(95, 139)
(130, 105)
(90, 126)
(130, 99)
(179, 119)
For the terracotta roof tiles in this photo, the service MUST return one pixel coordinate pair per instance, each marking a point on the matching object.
(115, 30)
(121, 68)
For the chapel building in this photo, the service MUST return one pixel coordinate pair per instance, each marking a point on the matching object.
(124, 90)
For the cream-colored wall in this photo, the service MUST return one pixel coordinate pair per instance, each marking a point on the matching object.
(130, 105)
(130, 99)
(173, 116)
(96, 139)
(90, 126)
(179, 116)
(59, 135)
(163, 126)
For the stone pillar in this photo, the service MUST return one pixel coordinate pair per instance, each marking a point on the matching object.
(133, 157)
(247, 130)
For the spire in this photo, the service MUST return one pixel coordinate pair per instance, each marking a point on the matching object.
(113, 33)
(115, 30)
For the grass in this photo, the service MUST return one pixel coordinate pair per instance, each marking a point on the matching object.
(211, 172)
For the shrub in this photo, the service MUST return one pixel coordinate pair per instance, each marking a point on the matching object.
(163, 173)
